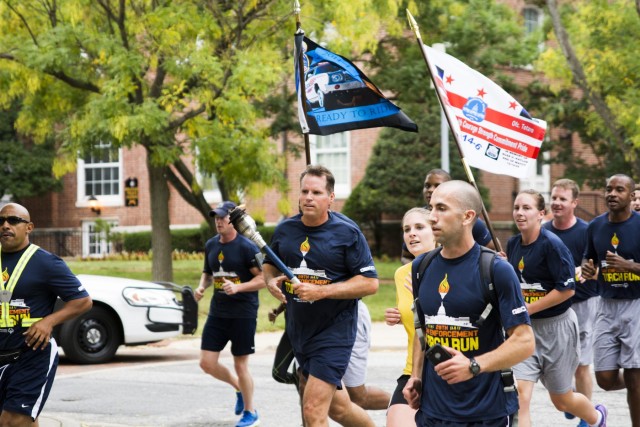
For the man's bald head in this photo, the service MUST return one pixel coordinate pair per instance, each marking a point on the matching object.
(462, 194)
(16, 210)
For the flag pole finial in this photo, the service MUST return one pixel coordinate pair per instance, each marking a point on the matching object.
(413, 24)
(296, 11)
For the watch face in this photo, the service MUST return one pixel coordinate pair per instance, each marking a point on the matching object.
(474, 367)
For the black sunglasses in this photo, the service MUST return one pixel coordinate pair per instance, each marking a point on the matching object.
(13, 220)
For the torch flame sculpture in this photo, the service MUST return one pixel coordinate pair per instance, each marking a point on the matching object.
(245, 225)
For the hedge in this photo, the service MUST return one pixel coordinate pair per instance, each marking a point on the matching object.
(186, 240)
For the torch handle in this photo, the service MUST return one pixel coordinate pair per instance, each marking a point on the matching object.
(273, 257)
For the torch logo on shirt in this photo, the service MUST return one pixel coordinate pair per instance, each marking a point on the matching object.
(220, 257)
(5, 275)
(615, 242)
(305, 247)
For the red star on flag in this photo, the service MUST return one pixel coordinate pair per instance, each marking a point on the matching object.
(481, 92)
(513, 105)
(450, 80)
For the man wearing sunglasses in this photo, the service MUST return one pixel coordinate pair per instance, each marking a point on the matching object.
(32, 279)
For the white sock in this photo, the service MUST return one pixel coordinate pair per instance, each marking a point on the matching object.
(599, 419)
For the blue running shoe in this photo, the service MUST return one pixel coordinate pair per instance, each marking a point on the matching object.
(249, 419)
(603, 410)
(566, 415)
(583, 423)
(239, 403)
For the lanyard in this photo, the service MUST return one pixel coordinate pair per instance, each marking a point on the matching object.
(6, 290)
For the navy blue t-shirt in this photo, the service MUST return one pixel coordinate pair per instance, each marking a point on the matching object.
(452, 298)
(332, 252)
(232, 261)
(542, 266)
(575, 239)
(622, 238)
(45, 278)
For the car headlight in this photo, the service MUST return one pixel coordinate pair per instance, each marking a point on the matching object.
(148, 297)
(337, 77)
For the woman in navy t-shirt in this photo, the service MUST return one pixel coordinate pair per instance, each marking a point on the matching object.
(545, 268)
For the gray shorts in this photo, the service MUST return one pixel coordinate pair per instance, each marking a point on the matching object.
(356, 373)
(557, 353)
(617, 341)
(586, 313)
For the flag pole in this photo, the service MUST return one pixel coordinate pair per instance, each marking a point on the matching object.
(302, 95)
(414, 26)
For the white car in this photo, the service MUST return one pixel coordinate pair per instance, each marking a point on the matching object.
(126, 311)
(330, 87)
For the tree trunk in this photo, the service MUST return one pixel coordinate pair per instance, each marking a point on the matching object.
(161, 267)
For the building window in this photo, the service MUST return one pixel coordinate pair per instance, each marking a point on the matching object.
(532, 19)
(99, 176)
(94, 239)
(332, 151)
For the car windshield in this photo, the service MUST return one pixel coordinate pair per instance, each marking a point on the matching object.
(327, 68)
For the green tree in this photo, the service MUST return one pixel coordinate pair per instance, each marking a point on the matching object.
(26, 167)
(594, 72)
(486, 36)
(179, 77)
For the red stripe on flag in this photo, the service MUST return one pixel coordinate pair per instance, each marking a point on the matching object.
(514, 123)
(472, 128)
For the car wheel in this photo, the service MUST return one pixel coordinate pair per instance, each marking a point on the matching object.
(92, 337)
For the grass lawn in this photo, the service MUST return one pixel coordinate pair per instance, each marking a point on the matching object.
(187, 272)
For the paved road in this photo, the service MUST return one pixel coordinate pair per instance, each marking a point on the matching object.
(163, 386)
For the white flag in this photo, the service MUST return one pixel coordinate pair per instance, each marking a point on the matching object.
(495, 132)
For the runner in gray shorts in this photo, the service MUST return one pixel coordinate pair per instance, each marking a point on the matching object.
(586, 313)
(618, 341)
(557, 353)
(367, 397)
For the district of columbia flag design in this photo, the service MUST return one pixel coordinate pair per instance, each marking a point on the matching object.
(495, 132)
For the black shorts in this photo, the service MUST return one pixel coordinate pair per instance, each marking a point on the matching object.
(398, 398)
(422, 421)
(218, 331)
(25, 384)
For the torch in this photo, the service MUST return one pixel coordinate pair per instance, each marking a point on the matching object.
(245, 225)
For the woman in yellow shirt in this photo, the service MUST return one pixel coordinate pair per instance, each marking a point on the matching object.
(418, 238)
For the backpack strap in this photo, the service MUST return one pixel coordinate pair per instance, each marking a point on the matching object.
(418, 267)
(487, 259)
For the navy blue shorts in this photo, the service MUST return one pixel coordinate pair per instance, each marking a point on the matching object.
(218, 331)
(25, 384)
(432, 422)
(327, 364)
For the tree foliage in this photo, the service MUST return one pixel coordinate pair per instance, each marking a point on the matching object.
(179, 77)
(26, 167)
(594, 72)
(484, 35)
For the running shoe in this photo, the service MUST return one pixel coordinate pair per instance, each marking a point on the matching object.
(249, 419)
(603, 410)
(239, 403)
(569, 416)
(583, 423)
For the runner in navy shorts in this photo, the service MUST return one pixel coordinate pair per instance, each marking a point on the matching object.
(25, 384)
(32, 280)
(218, 332)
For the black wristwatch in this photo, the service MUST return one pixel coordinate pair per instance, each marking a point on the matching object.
(474, 367)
